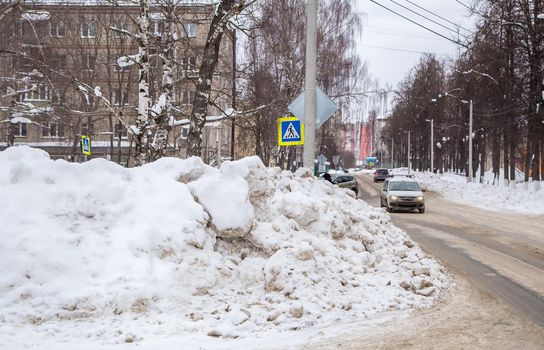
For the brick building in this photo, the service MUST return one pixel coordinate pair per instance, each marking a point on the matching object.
(52, 45)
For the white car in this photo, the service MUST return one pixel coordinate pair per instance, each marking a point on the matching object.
(402, 193)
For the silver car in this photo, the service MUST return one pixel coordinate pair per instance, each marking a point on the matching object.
(402, 193)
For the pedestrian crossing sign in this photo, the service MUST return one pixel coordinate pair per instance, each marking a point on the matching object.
(290, 132)
(86, 145)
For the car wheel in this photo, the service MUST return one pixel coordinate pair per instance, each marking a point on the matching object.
(381, 203)
(421, 211)
(355, 191)
(388, 208)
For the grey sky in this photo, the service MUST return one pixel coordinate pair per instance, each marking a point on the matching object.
(387, 38)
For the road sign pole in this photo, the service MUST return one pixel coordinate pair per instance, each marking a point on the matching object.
(311, 77)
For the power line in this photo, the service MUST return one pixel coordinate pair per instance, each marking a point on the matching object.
(420, 25)
(427, 18)
(442, 18)
(402, 35)
(465, 5)
(402, 50)
(395, 30)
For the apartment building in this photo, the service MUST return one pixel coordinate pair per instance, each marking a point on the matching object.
(54, 48)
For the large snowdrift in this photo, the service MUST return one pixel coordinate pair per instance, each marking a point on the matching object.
(97, 253)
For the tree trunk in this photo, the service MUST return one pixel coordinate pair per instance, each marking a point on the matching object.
(224, 12)
(483, 158)
(164, 103)
(496, 154)
(141, 149)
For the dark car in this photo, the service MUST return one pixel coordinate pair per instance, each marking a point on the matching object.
(347, 181)
(381, 175)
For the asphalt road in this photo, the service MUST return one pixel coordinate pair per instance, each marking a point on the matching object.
(500, 254)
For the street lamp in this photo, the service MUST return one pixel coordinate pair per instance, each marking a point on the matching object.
(471, 108)
(432, 142)
(392, 152)
(409, 159)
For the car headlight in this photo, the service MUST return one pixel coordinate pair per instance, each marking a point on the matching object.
(420, 199)
(393, 198)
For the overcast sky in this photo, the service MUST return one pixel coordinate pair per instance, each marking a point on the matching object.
(392, 45)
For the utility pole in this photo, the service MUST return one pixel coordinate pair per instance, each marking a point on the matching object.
(470, 143)
(392, 152)
(409, 163)
(409, 159)
(311, 77)
(233, 125)
(432, 145)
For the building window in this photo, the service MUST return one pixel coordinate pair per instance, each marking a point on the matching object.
(51, 129)
(156, 28)
(57, 28)
(40, 93)
(188, 97)
(25, 28)
(120, 97)
(190, 29)
(59, 62)
(120, 26)
(189, 63)
(184, 133)
(88, 29)
(20, 129)
(120, 129)
(86, 130)
(88, 62)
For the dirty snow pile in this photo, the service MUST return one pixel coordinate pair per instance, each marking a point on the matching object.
(178, 251)
(520, 197)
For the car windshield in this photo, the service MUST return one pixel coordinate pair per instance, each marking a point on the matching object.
(403, 186)
(381, 171)
(341, 179)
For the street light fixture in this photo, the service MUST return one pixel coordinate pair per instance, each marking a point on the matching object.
(471, 108)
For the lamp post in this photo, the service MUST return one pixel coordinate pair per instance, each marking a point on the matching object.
(409, 159)
(469, 141)
(432, 143)
(311, 73)
(504, 97)
(392, 152)
(470, 120)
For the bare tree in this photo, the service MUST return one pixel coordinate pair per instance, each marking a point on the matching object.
(274, 71)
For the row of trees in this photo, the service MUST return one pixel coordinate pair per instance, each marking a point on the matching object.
(501, 73)
(272, 73)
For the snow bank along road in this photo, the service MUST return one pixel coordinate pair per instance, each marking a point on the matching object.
(497, 252)
(178, 255)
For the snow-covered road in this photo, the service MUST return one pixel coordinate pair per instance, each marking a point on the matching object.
(500, 254)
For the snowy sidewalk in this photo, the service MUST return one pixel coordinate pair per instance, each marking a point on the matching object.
(494, 197)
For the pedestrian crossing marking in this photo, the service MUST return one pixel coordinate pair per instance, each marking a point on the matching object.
(291, 133)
